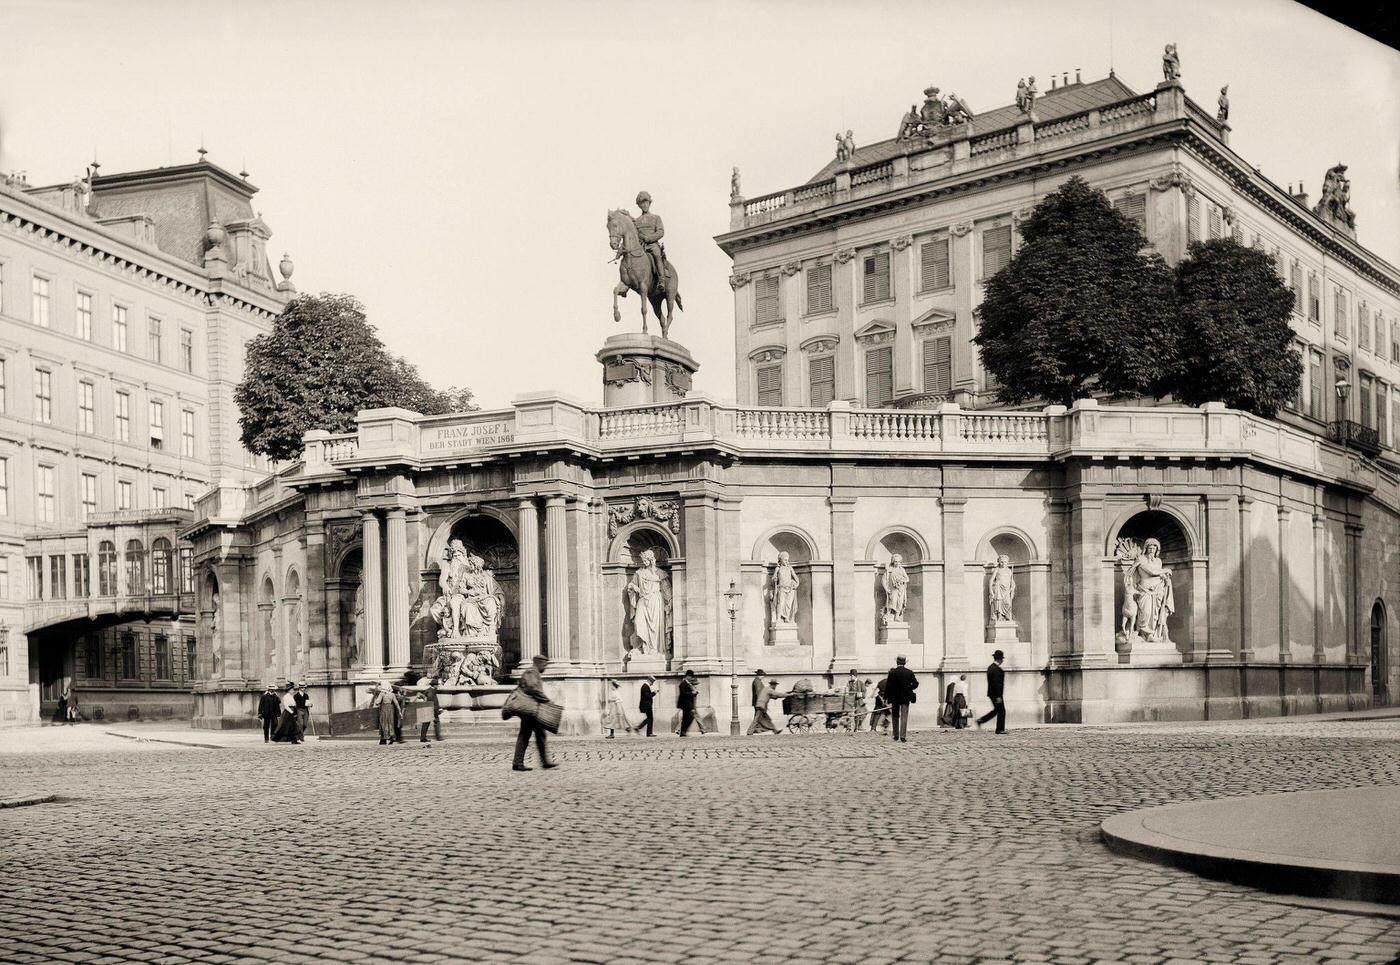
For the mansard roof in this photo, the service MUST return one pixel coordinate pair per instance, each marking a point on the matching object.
(1049, 106)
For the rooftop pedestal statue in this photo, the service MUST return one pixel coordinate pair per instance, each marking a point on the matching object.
(643, 266)
(1171, 65)
(1334, 205)
(1222, 106)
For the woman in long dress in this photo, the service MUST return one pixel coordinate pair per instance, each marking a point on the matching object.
(288, 730)
(390, 712)
(614, 717)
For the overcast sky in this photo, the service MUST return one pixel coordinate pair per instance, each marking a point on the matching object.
(451, 164)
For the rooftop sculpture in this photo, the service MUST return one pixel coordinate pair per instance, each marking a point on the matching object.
(643, 266)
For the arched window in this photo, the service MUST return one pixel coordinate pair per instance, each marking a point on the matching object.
(106, 569)
(135, 568)
(160, 566)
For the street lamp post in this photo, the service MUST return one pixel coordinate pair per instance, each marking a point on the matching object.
(732, 596)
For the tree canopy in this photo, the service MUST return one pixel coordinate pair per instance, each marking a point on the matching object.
(320, 365)
(1081, 307)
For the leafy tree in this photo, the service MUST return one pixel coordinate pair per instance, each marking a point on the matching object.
(1237, 346)
(320, 365)
(1080, 308)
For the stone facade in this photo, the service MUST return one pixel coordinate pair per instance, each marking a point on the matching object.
(125, 302)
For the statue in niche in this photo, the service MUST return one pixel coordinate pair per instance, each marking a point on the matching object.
(357, 627)
(783, 590)
(470, 601)
(1171, 64)
(895, 581)
(216, 645)
(1001, 592)
(649, 599)
(1147, 591)
(297, 647)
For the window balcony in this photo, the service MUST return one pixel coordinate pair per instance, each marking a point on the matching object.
(1356, 436)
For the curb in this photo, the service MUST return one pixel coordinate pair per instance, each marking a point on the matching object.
(163, 740)
(24, 802)
(1127, 834)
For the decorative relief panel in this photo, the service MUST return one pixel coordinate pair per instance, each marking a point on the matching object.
(961, 228)
(844, 255)
(822, 343)
(664, 511)
(902, 242)
(739, 280)
(768, 355)
(792, 268)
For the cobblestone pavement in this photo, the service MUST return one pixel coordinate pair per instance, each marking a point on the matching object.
(955, 847)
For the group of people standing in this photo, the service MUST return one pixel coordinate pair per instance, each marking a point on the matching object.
(285, 717)
(615, 717)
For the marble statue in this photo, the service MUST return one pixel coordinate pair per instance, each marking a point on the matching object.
(455, 667)
(1171, 64)
(1147, 591)
(1335, 199)
(845, 146)
(1023, 100)
(895, 582)
(642, 264)
(956, 111)
(357, 628)
(1031, 94)
(1222, 113)
(649, 598)
(783, 589)
(933, 112)
(1001, 591)
(735, 194)
(217, 650)
(910, 126)
(470, 601)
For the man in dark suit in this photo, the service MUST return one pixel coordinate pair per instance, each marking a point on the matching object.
(646, 702)
(685, 703)
(757, 686)
(900, 685)
(996, 680)
(532, 683)
(269, 709)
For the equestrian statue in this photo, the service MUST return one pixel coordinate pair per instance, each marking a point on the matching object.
(643, 266)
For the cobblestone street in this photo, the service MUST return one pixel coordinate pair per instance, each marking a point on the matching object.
(956, 847)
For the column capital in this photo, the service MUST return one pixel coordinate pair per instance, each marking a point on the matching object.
(1355, 530)
(368, 515)
(524, 502)
(556, 499)
(1284, 512)
(396, 512)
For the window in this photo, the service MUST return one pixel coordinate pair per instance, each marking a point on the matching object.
(1295, 282)
(1297, 403)
(1382, 407)
(1367, 384)
(6, 591)
(44, 489)
(92, 656)
(82, 575)
(1193, 219)
(821, 379)
(157, 497)
(43, 395)
(1213, 221)
(4, 487)
(36, 577)
(938, 365)
(124, 490)
(153, 338)
(58, 577)
(2, 383)
(1363, 327)
(119, 327)
(189, 500)
(87, 413)
(135, 565)
(819, 289)
(770, 385)
(1314, 300)
(877, 277)
(89, 494)
(160, 656)
(4, 657)
(187, 432)
(187, 350)
(996, 250)
(122, 416)
(160, 566)
(1341, 324)
(879, 377)
(1134, 208)
(2, 288)
(40, 315)
(1315, 396)
(766, 307)
(83, 319)
(128, 656)
(157, 414)
(106, 569)
(191, 655)
(186, 569)
(933, 265)
(1394, 338)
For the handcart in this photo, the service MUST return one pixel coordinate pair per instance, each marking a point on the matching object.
(834, 709)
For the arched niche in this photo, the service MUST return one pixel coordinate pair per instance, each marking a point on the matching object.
(292, 600)
(793, 540)
(491, 535)
(267, 634)
(628, 546)
(1380, 665)
(484, 523)
(801, 550)
(1008, 541)
(1174, 535)
(348, 592)
(912, 551)
(210, 607)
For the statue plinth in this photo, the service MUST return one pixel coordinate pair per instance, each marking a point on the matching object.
(895, 632)
(645, 370)
(784, 635)
(635, 661)
(463, 660)
(1003, 631)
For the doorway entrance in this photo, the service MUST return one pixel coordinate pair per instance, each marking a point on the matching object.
(1378, 655)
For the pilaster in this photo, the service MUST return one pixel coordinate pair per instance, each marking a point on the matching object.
(954, 584)
(843, 584)
(529, 539)
(1224, 574)
(373, 580)
(557, 578)
(1246, 509)
(704, 601)
(1285, 636)
(396, 591)
(1093, 639)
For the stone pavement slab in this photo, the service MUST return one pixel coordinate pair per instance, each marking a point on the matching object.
(1336, 844)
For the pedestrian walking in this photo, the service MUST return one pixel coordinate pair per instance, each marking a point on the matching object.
(757, 685)
(961, 712)
(269, 709)
(685, 702)
(60, 714)
(436, 722)
(879, 709)
(614, 717)
(761, 720)
(900, 685)
(286, 732)
(390, 716)
(302, 701)
(646, 704)
(532, 685)
(996, 682)
(402, 698)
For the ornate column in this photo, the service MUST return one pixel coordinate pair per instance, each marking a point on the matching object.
(396, 591)
(529, 580)
(954, 585)
(557, 576)
(373, 657)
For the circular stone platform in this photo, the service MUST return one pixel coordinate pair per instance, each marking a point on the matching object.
(641, 370)
(1331, 844)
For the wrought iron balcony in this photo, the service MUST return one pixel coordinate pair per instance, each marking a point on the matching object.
(1354, 434)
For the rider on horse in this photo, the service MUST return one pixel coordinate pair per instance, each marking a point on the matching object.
(651, 231)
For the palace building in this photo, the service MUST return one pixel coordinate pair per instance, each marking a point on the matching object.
(125, 302)
(1167, 561)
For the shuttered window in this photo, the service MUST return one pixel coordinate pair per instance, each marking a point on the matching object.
(1315, 396)
(996, 250)
(1363, 327)
(1314, 300)
(1394, 342)
(1134, 208)
(879, 377)
(938, 365)
(1382, 407)
(1297, 403)
(765, 293)
(1295, 282)
(933, 265)
(1193, 219)
(877, 277)
(1213, 221)
(818, 289)
(1341, 324)
(821, 379)
(770, 385)
(1366, 387)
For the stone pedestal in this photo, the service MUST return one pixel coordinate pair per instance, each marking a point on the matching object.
(895, 633)
(650, 663)
(1003, 633)
(784, 635)
(644, 370)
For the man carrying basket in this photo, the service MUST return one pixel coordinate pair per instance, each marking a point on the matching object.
(531, 704)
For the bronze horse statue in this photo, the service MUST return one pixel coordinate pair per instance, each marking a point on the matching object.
(636, 273)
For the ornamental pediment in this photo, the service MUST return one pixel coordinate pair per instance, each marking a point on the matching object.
(768, 353)
(875, 333)
(933, 321)
(820, 343)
